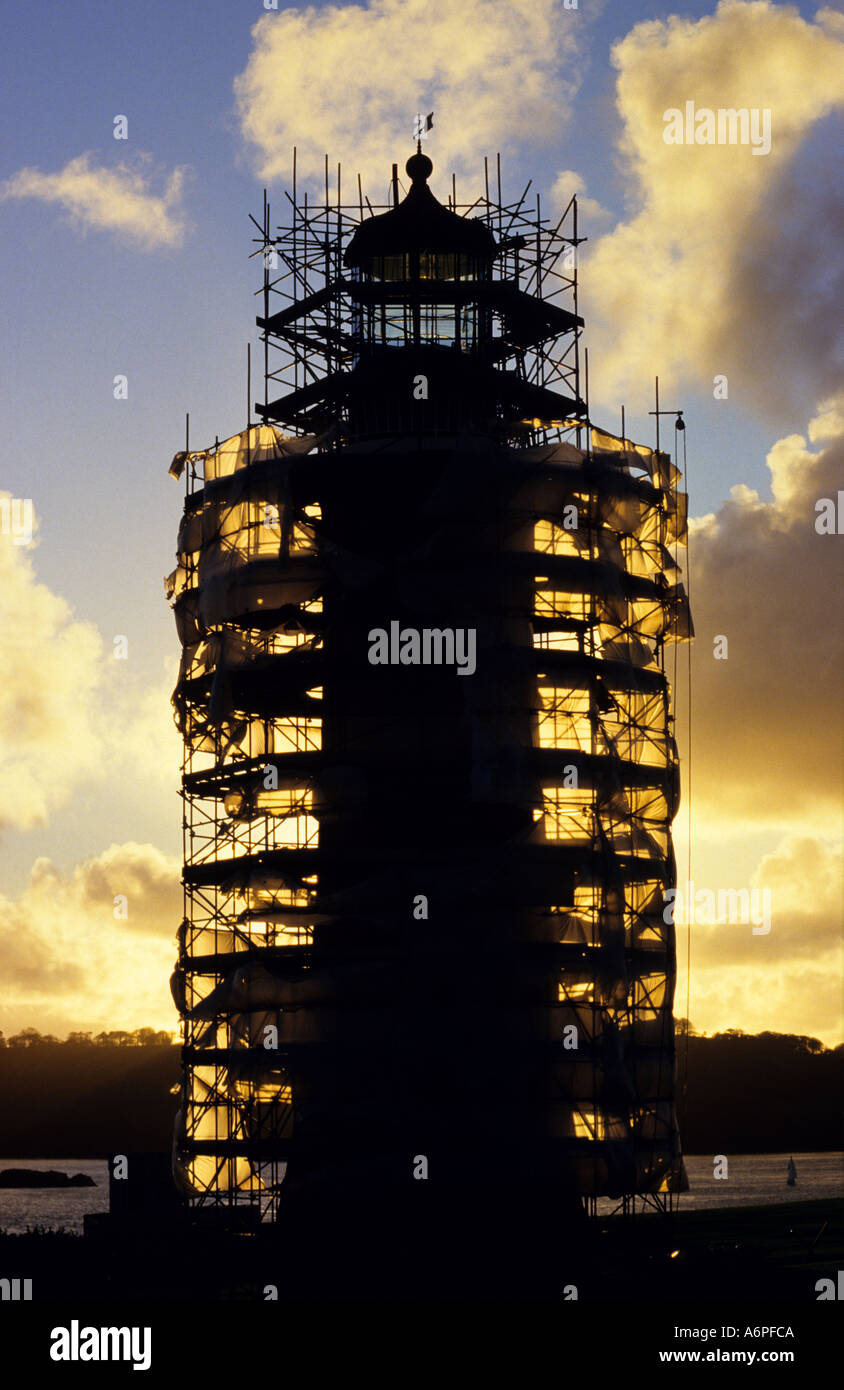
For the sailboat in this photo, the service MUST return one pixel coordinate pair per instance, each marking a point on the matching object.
(791, 1180)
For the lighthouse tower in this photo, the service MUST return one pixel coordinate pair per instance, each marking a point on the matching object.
(426, 967)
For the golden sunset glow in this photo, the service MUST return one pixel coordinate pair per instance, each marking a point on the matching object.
(703, 262)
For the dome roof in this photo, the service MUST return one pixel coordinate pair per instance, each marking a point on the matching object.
(419, 223)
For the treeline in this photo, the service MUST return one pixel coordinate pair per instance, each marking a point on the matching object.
(758, 1093)
(791, 1042)
(142, 1037)
(87, 1096)
(86, 1100)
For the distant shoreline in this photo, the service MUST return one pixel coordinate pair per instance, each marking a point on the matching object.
(26, 1179)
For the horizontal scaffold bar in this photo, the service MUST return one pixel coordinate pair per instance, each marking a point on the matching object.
(539, 318)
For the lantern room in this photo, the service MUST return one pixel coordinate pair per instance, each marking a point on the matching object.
(417, 268)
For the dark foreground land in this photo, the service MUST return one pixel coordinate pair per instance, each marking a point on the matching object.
(774, 1253)
(737, 1093)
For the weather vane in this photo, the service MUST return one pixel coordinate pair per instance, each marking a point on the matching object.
(422, 125)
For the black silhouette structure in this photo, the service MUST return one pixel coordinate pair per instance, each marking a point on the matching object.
(426, 969)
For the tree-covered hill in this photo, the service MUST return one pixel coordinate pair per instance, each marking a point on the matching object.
(88, 1097)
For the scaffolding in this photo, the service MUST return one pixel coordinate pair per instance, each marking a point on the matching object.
(314, 312)
(333, 1025)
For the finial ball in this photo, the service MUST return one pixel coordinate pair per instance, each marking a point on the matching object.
(419, 167)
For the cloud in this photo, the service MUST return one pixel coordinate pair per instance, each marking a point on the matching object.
(70, 718)
(148, 879)
(138, 731)
(49, 659)
(802, 998)
(568, 182)
(349, 80)
(767, 747)
(788, 980)
(67, 962)
(725, 257)
(70, 715)
(804, 877)
(117, 199)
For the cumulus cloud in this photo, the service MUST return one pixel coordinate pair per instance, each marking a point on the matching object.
(70, 715)
(726, 256)
(49, 659)
(785, 980)
(139, 735)
(803, 997)
(767, 728)
(804, 877)
(146, 878)
(802, 880)
(349, 80)
(66, 960)
(92, 947)
(117, 199)
(567, 183)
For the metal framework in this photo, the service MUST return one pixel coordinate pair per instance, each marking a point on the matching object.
(529, 806)
(312, 308)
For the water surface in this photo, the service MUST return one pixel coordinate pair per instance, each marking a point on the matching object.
(753, 1180)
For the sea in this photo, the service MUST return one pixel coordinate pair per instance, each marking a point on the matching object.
(751, 1180)
(52, 1208)
(754, 1180)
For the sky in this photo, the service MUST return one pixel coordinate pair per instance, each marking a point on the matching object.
(717, 267)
